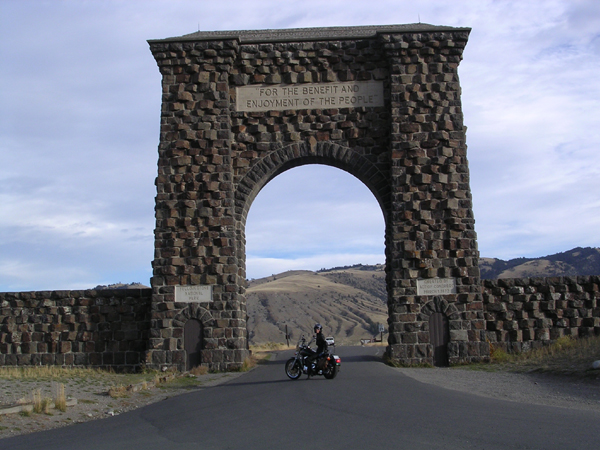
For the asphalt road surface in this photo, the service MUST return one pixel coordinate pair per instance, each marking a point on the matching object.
(368, 406)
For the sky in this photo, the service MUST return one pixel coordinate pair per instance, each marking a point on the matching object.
(79, 125)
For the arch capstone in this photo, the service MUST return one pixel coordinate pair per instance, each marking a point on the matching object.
(381, 103)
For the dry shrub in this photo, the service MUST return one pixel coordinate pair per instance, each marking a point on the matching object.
(119, 391)
(499, 355)
(37, 401)
(248, 364)
(60, 400)
(199, 370)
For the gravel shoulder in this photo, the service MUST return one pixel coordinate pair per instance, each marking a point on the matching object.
(93, 401)
(533, 388)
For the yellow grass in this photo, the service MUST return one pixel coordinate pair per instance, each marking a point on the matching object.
(566, 355)
(199, 370)
(36, 373)
(60, 399)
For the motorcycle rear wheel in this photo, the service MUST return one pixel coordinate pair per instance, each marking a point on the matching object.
(293, 369)
(331, 371)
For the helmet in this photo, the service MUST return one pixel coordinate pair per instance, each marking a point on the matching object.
(318, 327)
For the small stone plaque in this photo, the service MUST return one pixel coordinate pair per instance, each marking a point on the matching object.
(280, 97)
(436, 286)
(193, 294)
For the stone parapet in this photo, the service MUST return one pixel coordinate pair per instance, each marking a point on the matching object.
(104, 328)
(117, 329)
(526, 313)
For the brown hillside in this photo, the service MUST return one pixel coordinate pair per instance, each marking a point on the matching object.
(300, 299)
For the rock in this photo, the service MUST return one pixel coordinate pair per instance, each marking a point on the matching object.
(596, 365)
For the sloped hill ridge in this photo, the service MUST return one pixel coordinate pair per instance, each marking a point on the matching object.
(300, 299)
(578, 261)
(350, 302)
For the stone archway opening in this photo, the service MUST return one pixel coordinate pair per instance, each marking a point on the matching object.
(307, 219)
(317, 215)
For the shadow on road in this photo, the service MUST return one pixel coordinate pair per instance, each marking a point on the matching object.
(361, 358)
(251, 383)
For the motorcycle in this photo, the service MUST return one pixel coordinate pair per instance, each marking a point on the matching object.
(327, 364)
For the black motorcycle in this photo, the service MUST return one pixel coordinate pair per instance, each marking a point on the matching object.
(327, 364)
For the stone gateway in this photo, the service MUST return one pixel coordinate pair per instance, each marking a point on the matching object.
(379, 102)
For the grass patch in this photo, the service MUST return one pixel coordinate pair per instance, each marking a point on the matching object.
(269, 347)
(43, 373)
(60, 400)
(566, 356)
(79, 376)
(261, 353)
(199, 370)
(41, 404)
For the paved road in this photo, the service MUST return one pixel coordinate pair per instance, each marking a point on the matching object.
(368, 406)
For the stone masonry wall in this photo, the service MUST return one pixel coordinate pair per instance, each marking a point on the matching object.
(105, 328)
(526, 313)
(111, 328)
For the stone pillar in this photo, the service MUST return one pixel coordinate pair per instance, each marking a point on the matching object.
(195, 243)
(430, 231)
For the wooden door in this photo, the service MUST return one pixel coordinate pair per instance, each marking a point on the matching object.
(439, 333)
(192, 342)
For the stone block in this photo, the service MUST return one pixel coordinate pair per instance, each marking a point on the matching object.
(458, 335)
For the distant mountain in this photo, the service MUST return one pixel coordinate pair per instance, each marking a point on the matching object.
(579, 261)
(351, 301)
(102, 287)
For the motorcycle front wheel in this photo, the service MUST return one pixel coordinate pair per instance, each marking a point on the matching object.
(293, 368)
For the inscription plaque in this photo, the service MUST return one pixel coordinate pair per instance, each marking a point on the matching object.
(193, 294)
(280, 97)
(436, 286)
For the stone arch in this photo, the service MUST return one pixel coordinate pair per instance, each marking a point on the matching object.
(222, 139)
(193, 311)
(302, 153)
(441, 305)
(296, 155)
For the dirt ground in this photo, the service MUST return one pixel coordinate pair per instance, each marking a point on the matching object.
(93, 400)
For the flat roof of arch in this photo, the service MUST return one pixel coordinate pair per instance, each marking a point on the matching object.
(308, 34)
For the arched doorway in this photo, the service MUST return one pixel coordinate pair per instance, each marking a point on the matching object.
(192, 343)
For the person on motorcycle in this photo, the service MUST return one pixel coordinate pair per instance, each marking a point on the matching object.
(321, 347)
